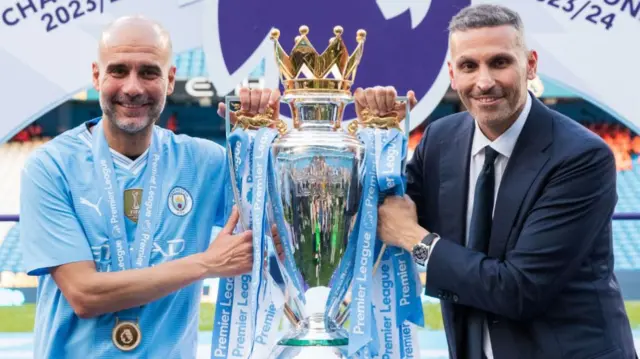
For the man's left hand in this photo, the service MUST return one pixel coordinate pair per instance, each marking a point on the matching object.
(398, 223)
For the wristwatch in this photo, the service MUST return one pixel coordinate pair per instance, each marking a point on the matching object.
(421, 251)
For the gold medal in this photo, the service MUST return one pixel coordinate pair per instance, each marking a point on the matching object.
(126, 335)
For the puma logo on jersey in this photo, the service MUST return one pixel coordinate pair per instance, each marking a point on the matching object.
(89, 204)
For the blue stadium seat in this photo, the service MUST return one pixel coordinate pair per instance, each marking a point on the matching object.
(10, 255)
(192, 63)
(626, 234)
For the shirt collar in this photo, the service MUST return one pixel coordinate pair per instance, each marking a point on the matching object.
(507, 141)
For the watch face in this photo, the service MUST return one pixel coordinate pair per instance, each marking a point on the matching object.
(420, 252)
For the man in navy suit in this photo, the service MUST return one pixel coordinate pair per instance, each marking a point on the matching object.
(510, 209)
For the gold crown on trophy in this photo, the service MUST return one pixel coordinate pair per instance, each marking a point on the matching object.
(306, 70)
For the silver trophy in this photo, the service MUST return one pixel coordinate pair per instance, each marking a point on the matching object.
(319, 180)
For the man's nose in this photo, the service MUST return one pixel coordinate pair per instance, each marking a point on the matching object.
(485, 80)
(132, 86)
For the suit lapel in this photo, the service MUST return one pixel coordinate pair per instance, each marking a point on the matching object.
(526, 161)
(454, 182)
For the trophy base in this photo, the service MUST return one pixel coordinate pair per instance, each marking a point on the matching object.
(311, 339)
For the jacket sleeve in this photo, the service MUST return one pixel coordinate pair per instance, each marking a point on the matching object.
(569, 217)
(415, 181)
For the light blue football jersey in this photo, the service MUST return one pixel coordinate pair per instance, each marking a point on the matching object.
(62, 221)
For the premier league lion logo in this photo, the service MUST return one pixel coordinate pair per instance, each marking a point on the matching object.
(407, 42)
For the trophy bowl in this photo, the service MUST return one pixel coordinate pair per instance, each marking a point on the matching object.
(319, 183)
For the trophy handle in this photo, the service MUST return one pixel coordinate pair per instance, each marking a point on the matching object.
(252, 122)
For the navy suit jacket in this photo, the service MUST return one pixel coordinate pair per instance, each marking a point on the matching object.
(547, 282)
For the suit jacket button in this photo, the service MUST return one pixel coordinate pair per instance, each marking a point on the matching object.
(455, 298)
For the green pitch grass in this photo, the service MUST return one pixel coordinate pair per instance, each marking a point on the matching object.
(21, 319)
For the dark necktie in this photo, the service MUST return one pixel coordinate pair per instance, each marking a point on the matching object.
(479, 233)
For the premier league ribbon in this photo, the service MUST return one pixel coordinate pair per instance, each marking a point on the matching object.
(245, 298)
(123, 255)
(393, 290)
(361, 318)
(232, 305)
(252, 303)
(397, 298)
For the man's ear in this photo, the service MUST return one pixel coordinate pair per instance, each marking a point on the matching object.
(451, 77)
(532, 64)
(172, 80)
(95, 69)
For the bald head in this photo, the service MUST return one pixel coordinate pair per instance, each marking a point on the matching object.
(134, 73)
(135, 33)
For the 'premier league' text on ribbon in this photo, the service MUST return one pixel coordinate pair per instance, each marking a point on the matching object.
(268, 324)
(224, 318)
(387, 325)
(242, 317)
(404, 279)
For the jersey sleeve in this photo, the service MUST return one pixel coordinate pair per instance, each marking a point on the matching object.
(50, 232)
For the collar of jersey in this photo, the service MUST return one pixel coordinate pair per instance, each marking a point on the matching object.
(120, 160)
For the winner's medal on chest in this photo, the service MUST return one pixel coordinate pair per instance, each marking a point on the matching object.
(126, 334)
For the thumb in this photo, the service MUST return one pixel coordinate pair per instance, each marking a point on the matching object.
(232, 221)
(221, 109)
(412, 99)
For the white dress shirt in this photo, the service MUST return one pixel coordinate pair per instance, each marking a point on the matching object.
(504, 146)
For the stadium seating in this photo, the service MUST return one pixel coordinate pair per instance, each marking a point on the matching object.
(190, 64)
(12, 158)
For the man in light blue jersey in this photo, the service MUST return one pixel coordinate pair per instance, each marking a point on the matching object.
(116, 216)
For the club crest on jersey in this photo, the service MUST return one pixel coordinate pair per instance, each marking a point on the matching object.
(180, 201)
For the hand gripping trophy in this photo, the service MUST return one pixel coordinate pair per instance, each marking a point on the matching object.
(320, 183)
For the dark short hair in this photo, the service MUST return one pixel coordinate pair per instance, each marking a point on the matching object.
(486, 15)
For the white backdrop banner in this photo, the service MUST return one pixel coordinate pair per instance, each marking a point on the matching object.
(47, 46)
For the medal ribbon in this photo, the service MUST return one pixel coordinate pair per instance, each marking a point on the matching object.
(124, 256)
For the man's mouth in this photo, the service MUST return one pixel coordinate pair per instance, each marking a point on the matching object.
(487, 100)
(133, 106)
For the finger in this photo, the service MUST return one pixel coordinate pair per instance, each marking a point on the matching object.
(245, 99)
(380, 95)
(390, 97)
(370, 95)
(232, 221)
(247, 237)
(412, 99)
(264, 100)
(221, 109)
(255, 100)
(222, 113)
(280, 251)
(274, 102)
(359, 98)
(247, 247)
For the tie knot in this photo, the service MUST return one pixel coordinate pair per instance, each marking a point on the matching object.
(489, 156)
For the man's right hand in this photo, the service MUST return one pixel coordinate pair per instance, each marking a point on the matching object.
(230, 255)
(253, 102)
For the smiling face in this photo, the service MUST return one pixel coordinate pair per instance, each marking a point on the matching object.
(134, 74)
(489, 69)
